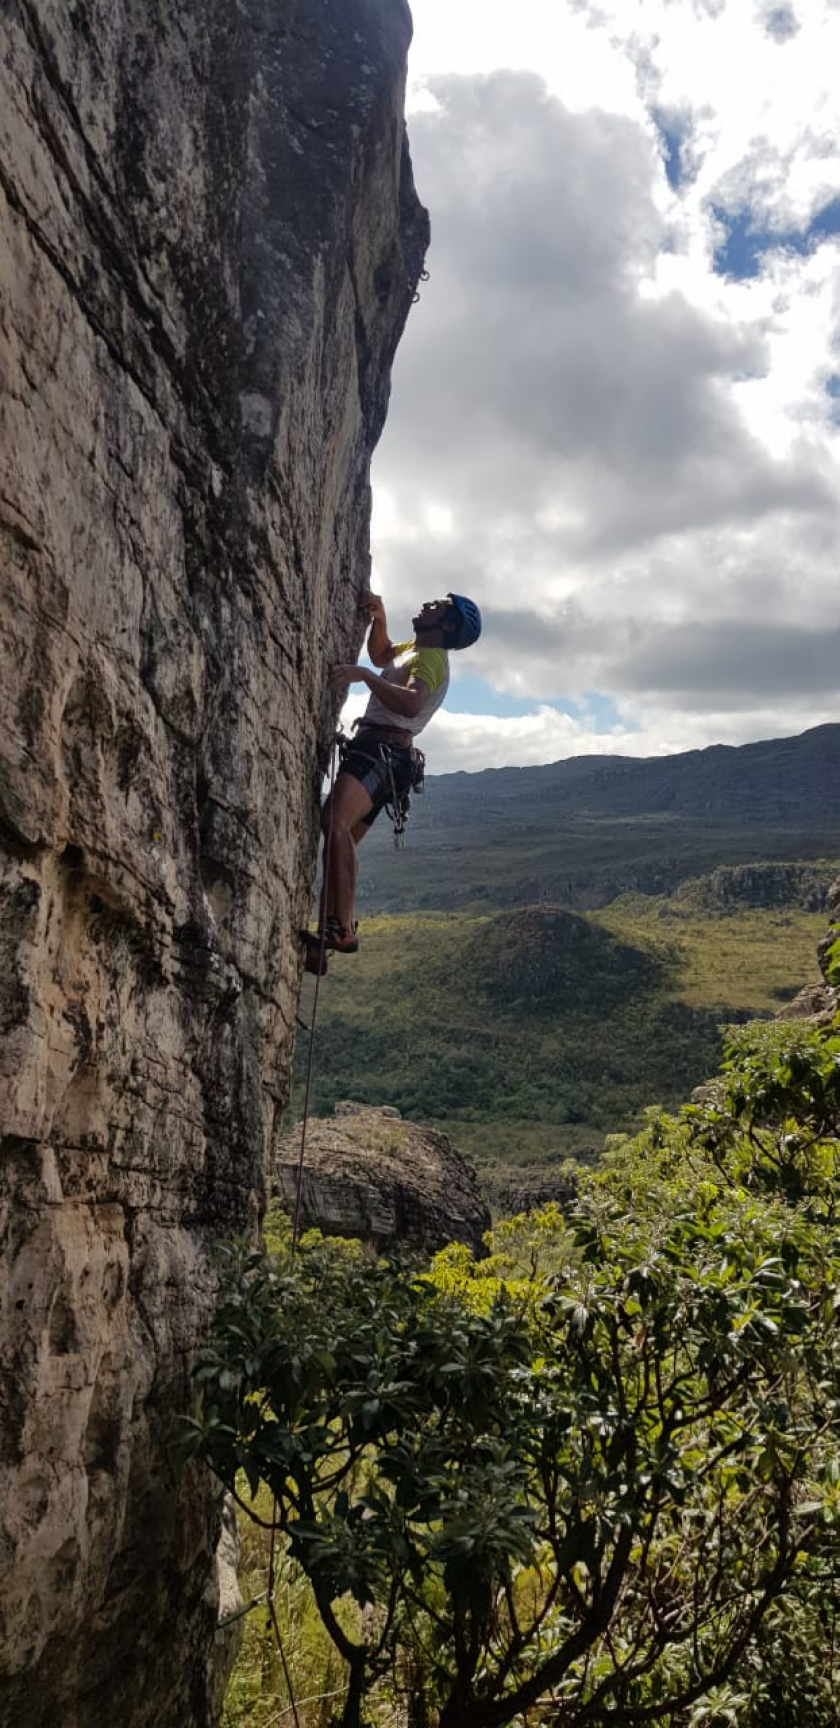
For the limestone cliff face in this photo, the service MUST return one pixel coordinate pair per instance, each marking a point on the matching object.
(209, 241)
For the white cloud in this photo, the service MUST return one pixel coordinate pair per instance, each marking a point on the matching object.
(630, 458)
(474, 741)
(475, 36)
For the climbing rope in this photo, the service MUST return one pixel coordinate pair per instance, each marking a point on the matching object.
(271, 1623)
(271, 1619)
(313, 1019)
(267, 1595)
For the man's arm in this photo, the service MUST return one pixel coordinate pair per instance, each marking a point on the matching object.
(401, 700)
(380, 648)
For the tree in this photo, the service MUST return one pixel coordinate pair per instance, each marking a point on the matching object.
(574, 1478)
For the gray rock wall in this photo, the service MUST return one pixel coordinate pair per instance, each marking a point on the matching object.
(209, 241)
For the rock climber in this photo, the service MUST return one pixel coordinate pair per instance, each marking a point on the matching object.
(377, 766)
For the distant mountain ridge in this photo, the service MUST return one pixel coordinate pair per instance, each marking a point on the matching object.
(583, 830)
(788, 774)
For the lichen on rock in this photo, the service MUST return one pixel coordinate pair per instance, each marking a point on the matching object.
(210, 242)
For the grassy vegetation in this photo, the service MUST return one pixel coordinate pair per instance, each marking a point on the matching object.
(528, 1036)
(468, 865)
(752, 959)
(257, 1695)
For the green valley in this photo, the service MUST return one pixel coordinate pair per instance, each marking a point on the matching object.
(558, 948)
(581, 832)
(531, 1035)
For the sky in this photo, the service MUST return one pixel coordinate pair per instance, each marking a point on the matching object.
(615, 416)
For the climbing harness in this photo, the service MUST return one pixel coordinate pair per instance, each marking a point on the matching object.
(385, 755)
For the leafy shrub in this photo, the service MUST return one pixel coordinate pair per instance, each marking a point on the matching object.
(594, 1476)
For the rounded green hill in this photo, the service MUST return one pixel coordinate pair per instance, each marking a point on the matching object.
(545, 958)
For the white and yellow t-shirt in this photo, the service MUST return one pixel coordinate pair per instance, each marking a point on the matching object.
(431, 666)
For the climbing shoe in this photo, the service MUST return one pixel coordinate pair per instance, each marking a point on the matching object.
(340, 940)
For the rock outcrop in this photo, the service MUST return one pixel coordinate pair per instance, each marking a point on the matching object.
(821, 1001)
(828, 952)
(369, 1174)
(765, 885)
(210, 242)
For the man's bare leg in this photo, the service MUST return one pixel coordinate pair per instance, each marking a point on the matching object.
(343, 826)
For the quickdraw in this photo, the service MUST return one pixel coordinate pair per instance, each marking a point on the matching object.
(398, 805)
(424, 277)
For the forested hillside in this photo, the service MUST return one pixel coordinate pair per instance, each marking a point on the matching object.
(580, 832)
(528, 1035)
(559, 947)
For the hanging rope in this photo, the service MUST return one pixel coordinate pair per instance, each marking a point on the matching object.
(272, 1621)
(322, 949)
(267, 1595)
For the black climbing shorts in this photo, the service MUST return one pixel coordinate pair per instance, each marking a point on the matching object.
(385, 770)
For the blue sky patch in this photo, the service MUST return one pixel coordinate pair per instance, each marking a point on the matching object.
(601, 712)
(469, 694)
(673, 133)
(740, 254)
(827, 221)
(472, 695)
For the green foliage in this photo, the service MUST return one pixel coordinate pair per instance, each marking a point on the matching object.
(832, 962)
(594, 1476)
(774, 1120)
(257, 1694)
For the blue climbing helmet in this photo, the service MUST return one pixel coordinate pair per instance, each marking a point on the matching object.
(469, 621)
